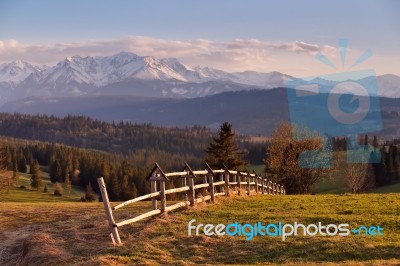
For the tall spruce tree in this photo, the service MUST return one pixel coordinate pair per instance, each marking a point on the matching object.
(56, 172)
(224, 151)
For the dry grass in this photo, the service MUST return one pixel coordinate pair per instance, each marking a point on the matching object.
(77, 234)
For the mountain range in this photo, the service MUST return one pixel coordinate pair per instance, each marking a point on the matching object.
(130, 74)
(143, 89)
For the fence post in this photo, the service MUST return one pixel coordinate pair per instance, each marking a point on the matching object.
(212, 191)
(248, 185)
(227, 191)
(184, 195)
(192, 194)
(163, 196)
(153, 188)
(111, 223)
(239, 185)
(256, 182)
(262, 185)
(269, 187)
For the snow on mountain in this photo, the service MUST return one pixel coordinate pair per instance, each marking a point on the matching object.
(130, 74)
(17, 71)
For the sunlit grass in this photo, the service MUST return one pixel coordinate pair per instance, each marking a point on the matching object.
(79, 231)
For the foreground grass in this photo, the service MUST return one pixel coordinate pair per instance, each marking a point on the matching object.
(76, 233)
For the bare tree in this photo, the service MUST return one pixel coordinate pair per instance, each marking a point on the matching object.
(359, 178)
(287, 163)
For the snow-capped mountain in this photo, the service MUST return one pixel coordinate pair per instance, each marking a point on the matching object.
(130, 74)
(17, 71)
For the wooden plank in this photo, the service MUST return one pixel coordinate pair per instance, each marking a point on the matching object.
(232, 183)
(200, 172)
(219, 171)
(201, 186)
(176, 190)
(219, 183)
(219, 194)
(148, 196)
(177, 206)
(107, 207)
(138, 218)
(202, 199)
(176, 174)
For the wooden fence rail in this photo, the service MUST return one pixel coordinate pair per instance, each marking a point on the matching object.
(212, 182)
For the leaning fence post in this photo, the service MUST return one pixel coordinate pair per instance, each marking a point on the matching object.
(163, 196)
(107, 207)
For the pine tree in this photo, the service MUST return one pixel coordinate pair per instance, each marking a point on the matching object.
(56, 172)
(223, 150)
(36, 178)
(22, 165)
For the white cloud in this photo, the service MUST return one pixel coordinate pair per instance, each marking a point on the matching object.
(235, 55)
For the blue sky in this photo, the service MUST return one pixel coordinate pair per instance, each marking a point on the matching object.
(272, 34)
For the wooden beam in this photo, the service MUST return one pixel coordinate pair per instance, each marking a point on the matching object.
(176, 190)
(201, 186)
(147, 196)
(140, 217)
(107, 207)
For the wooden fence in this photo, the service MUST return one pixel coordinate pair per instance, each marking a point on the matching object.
(197, 186)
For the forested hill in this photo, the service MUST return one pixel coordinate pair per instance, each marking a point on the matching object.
(123, 138)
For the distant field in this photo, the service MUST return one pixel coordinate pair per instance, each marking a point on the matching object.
(18, 194)
(76, 233)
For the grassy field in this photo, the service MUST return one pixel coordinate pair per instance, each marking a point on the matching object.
(26, 194)
(68, 233)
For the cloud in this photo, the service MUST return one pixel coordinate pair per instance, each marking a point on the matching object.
(234, 55)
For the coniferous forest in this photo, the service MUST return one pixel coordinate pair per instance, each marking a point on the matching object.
(80, 149)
